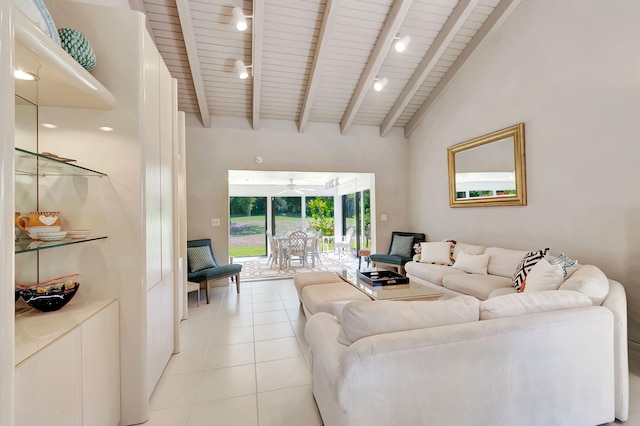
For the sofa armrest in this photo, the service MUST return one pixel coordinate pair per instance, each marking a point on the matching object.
(320, 332)
(616, 301)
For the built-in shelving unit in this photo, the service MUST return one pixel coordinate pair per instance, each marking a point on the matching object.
(62, 81)
(33, 164)
(27, 245)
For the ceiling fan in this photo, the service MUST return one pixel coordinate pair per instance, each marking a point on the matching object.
(292, 187)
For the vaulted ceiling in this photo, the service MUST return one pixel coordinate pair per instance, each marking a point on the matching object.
(316, 60)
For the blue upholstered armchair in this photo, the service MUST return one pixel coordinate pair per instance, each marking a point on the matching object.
(400, 252)
(203, 266)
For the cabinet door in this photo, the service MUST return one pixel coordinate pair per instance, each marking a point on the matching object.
(101, 368)
(48, 386)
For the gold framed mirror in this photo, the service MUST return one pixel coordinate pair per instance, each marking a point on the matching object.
(489, 170)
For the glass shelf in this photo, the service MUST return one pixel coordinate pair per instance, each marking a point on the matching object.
(32, 164)
(26, 245)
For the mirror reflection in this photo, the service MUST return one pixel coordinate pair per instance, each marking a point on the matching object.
(488, 170)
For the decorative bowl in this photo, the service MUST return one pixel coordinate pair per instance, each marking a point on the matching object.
(50, 297)
(77, 45)
(18, 291)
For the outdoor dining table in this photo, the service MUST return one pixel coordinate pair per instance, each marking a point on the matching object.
(312, 243)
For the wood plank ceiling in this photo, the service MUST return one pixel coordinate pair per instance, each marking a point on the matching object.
(316, 60)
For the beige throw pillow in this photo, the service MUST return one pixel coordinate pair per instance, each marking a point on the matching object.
(436, 252)
(544, 276)
(588, 280)
(362, 319)
(472, 263)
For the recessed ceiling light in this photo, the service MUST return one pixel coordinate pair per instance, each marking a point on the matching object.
(106, 129)
(49, 125)
(24, 75)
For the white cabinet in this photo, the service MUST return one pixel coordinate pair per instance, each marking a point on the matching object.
(101, 368)
(48, 386)
(76, 379)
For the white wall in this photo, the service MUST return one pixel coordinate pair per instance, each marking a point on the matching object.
(569, 70)
(211, 153)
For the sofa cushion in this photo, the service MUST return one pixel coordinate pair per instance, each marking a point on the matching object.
(525, 265)
(199, 258)
(438, 252)
(367, 319)
(303, 279)
(543, 276)
(318, 298)
(468, 248)
(503, 262)
(502, 291)
(590, 281)
(430, 272)
(401, 246)
(479, 286)
(472, 263)
(529, 303)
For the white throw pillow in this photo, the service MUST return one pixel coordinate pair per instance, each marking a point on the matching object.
(362, 319)
(338, 307)
(529, 303)
(436, 252)
(589, 280)
(543, 276)
(472, 263)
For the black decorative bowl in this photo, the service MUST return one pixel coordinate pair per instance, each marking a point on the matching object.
(51, 297)
(18, 291)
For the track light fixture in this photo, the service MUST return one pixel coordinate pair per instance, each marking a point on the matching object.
(379, 83)
(401, 42)
(239, 19)
(242, 69)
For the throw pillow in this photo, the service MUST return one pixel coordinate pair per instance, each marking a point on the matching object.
(472, 263)
(362, 319)
(525, 265)
(565, 263)
(337, 308)
(529, 303)
(199, 258)
(589, 280)
(543, 276)
(401, 246)
(437, 252)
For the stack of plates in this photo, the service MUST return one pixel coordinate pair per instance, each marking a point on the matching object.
(51, 235)
(79, 233)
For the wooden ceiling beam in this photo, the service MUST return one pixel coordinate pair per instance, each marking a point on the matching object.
(493, 22)
(380, 50)
(256, 58)
(184, 13)
(330, 12)
(459, 15)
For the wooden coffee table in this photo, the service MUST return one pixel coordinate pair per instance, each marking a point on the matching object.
(411, 291)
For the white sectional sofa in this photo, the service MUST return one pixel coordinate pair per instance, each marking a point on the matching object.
(548, 357)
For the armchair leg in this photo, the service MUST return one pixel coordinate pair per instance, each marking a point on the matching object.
(238, 283)
(206, 289)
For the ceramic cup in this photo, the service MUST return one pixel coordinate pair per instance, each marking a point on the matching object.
(37, 221)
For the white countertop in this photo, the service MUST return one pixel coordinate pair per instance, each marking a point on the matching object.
(35, 330)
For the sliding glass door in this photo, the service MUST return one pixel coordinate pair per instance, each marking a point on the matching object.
(286, 214)
(356, 214)
(247, 226)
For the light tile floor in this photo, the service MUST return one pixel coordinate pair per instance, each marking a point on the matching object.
(243, 363)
